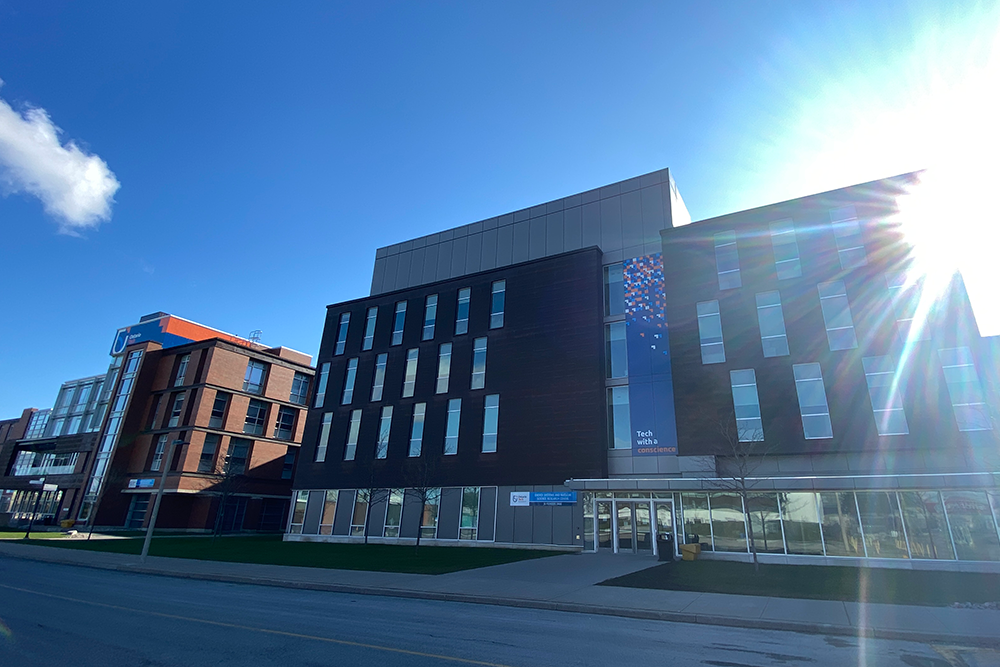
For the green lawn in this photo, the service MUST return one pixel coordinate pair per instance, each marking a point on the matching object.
(9, 534)
(269, 549)
(922, 587)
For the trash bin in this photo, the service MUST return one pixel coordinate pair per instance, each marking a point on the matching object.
(665, 547)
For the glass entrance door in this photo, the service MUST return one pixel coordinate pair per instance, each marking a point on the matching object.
(664, 520)
(633, 527)
(625, 542)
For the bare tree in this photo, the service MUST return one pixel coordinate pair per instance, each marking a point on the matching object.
(735, 471)
(372, 493)
(419, 474)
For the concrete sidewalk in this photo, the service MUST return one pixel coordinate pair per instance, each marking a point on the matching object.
(568, 583)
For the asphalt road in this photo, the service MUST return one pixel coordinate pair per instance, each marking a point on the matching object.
(65, 615)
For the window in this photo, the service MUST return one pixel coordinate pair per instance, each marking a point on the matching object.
(497, 304)
(182, 370)
(462, 314)
(837, 315)
(966, 393)
(329, 512)
(429, 520)
(772, 324)
(161, 444)
(614, 289)
(300, 389)
(324, 377)
(351, 447)
(727, 260)
(417, 429)
(430, 317)
(253, 381)
(398, 322)
(284, 425)
(883, 389)
(360, 517)
(372, 315)
(749, 427)
(410, 374)
(379, 380)
(236, 457)
(812, 401)
(324, 437)
(847, 231)
(451, 430)
(713, 350)
(349, 378)
(786, 250)
(342, 327)
(384, 426)
(256, 418)
(478, 364)
(905, 298)
(218, 417)
(206, 462)
(619, 422)
(288, 465)
(298, 512)
(491, 420)
(393, 513)
(176, 407)
(444, 368)
(469, 524)
(615, 350)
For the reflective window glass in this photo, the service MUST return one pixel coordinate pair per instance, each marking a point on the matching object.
(727, 260)
(615, 350)
(800, 516)
(772, 324)
(786, 250)
(619, 425)
(710, 331)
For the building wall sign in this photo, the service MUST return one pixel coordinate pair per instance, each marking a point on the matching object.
(650, 382)
(147, 483)
(169, 331)
(549, 498)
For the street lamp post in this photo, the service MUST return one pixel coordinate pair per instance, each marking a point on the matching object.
(159, 496)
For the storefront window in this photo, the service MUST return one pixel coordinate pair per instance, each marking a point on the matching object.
(839, 519)
(882, 524)
(801, 519)
(972, 525)
(766, 523)
(697, 523)
(588, 521)
(925, 524)
(728, 526)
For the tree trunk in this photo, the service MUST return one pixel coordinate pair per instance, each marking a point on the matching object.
(420, 524)
(368, 517)
(750, 536)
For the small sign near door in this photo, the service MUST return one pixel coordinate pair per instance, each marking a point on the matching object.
(550, 498)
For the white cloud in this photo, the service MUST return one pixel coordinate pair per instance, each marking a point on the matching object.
(74, 187)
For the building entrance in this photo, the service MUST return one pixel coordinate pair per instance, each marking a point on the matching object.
(636, 525)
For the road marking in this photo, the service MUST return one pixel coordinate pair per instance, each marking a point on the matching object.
(236, 626)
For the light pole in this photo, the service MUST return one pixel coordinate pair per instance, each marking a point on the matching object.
(159, 495)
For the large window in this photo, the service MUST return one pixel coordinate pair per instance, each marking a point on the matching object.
(398, 323)
(206, 462)
(614, 289)
(349, 378)
(881, 524)
(884, 391)
(342, 327)
(176, 408)
(351, 446)
(972, 525)
(158, 453)
(615, 350)
(812, 401)
(847, 231)
(491, 421)
(749, 427)
(256, 418)
(926, 525)
(298, 512)
(284, 425)
(329, 512)
(444, 368)
(967, 400)
(324, 437)
(469, 524)
(300, 389)
(181, 371)
(786, 250)
(904, 294)
(451, 430)
(619, 427)
(253, 381)
(324, 377)
(713, 350)
(360, 517)
(378, 382)
(462, 314)
(410, 373)
(288, 464)
(237, 456)
(384, 427)
(430, 317)
(417, 429)
(429, 520)
(393, 513)
(727, 260)
(772, 324)
(497, 300)
(837, 316)
(372, 315)
(478, 364)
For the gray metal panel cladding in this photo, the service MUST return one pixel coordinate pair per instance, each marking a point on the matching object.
(314, 510)
(345, 510)
(487, 512)
(449, 513)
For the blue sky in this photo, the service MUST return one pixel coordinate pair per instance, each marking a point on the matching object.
(263, 151)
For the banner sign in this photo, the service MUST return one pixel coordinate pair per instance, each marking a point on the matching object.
(147, 483)
(650, 381)
(549, 498)
(169, 331)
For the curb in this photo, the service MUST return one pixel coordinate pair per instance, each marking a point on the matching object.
(571, 607)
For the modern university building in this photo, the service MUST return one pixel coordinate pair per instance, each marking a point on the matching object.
(598, 372)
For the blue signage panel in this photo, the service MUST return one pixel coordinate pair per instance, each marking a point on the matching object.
(553, 498)
(650, 381)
